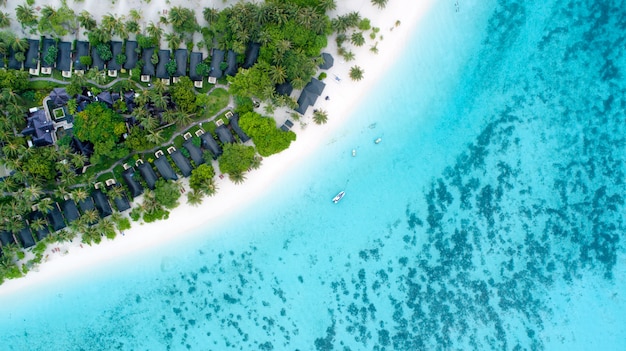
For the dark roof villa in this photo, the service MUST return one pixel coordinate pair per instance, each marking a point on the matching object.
(86, 205)
(181, 162)
(284, 89)
(41, 233)
(25, 236)
(47, 44)
(121, 202)
(164, 168)
(232, 63)
(216, 60)
(102, 203)
(309, 95)
(116, 49)
(64, 56)
(131, 55)
(194, 152)
(55, 218)
(224, 134)
(161, 70)
(82, 49)
(6, 238)
(181, 62)
(32, 55)
(96, 61)
(13, 63)
(252, 54)
(134, 186)
(234, 123)
(194, 60)
(327, 61)
(148, 67)
(148, 174)
(209, 143)
(70, 210)
(39, 128)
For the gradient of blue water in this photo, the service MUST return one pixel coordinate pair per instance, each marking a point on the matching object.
(490, 217)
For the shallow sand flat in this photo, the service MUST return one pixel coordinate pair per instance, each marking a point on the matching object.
(344, 95)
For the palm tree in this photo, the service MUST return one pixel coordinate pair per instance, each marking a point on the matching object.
(155, 137)
(148, 122)
(78, 160)
(159, 87)
(154, 31)
(326, 5)
(19, 44)
(298, 83)
(135, 15)
(356, 73)
(116, 192)
(169, 117)
(38, 224)
(5, 20)
(194, 198)
(183, 119)
(357, 39)
(106, 227)
(256, 162)
(33, 192)
(86, 21)
(25, 15)
(380, 3)
(320, 116)
(60, 192)
(158, 99)
(79, 194)
(91, 216)
(210, 15)
(237, 177)
(173, 40)
(278, 74)
(45, 205)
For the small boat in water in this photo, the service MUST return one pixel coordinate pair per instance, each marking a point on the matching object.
(339, 196)
(353, 152)
(377, 141)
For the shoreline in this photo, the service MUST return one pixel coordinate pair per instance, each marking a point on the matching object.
(344, 97)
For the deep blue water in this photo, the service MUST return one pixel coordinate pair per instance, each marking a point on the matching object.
(491, 217)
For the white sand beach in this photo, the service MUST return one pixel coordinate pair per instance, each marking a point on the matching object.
(343, 93)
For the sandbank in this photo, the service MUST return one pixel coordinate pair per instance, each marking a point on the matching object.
(344, 95)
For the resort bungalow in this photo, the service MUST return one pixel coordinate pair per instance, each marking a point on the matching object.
(102, 203)
(86, 205)
(40, 129)
(112, 65)
(25, 236)
(13, 62)
(105, 97)
(216, 61)
(121, 203)
(59, 97)
(224, 134)
(181, 64)
(55, 218)
(181, 161)
(284, 89)
(194, 152)
(147, 173)
(131, 55)
(327, 61)
(135, 188)
(6, 238)
(209, 143)
(309, 95)
(32, 57)
(82, 50)
(194, 60)
(46, 68)
(70, 211)
(147, 70)
(252, 55)
(164, 167)
(161, 69)
(234, 123)
(64, 58)
(43, 232)
(96, 61)
(231, 58)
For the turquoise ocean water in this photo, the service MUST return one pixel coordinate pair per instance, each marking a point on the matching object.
(490, 217)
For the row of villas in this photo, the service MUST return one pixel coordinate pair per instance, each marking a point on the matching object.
(69, 54)
(168, 167)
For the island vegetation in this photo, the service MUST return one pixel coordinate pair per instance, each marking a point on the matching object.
(107, 122)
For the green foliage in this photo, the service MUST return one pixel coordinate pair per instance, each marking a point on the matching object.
(16, 80)
(135, 214)
(166, 194)
(103, 127)
(216, 101)
(120, 59)
(364, 24)
(51, 55)
(356, 73)
(155, 58)
(183, 20)
(243, 104)
(202, 178)
(236, 158)
(146, 41)
(357, 39)
(104, 51)
(20, 57)
(85, 60)
(380, 3)
(158, 214)
(122, 224)
(267, 138)
(183, 95)
(170, 67)
(322, 76)
(40, 163)
(203, 69)
(251, 83)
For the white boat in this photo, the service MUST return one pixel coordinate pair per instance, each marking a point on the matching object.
(377, 141)
(353, 152)
(339, 196)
